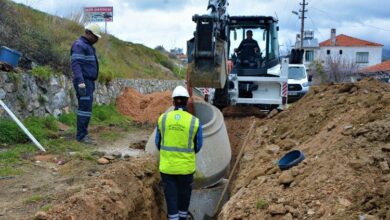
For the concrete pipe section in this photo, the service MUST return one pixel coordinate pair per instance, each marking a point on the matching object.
(212, 162)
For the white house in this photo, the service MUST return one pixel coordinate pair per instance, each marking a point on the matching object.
(349, 49)
(310, 46)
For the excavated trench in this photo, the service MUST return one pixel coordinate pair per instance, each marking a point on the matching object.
(130, 189)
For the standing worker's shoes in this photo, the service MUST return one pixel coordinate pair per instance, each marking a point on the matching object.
(88, 140)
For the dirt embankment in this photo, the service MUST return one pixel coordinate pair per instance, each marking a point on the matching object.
(344, 132)
(143, 108)
(126, 190)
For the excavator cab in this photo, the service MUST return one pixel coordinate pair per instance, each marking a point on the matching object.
(254, 60)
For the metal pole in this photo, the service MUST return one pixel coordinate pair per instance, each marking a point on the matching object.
(105, 27)
(303, 21)
(32, 138)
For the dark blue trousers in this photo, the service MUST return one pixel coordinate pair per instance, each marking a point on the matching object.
(84, 111)
(177, 190)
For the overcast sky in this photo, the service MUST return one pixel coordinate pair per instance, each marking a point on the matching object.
(169, 22)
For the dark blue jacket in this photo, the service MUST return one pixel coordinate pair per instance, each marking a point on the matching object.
(84, 61)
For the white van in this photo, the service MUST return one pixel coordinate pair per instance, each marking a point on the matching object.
(298, 82)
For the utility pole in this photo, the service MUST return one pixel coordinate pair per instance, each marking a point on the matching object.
(303, 10)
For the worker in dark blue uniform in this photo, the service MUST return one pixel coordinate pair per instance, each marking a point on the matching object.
(85, 68)
(179, 137)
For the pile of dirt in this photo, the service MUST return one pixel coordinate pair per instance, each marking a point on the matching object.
(344, 132)
(143, 108)
(126, 190)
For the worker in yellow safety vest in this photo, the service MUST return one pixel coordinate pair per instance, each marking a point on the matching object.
(178, 138)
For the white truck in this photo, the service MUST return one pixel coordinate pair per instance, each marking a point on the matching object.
(298, 82)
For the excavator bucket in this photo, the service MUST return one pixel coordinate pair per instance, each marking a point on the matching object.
(207, 66)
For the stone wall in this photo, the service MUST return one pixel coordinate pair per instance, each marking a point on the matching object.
(27, 95)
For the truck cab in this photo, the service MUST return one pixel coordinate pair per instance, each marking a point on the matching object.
(298, 82)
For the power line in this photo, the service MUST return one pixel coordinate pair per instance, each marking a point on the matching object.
(360, 22)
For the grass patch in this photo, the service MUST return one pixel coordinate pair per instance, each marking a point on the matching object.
(43, 72)
(68, 119)
(33, 199)
(109, 115)
(9, 171)
(46, 131)
(110, 136)
(41, 128)
(46, 207)
(261, 204)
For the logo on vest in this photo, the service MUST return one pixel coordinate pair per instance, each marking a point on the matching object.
(177, 117)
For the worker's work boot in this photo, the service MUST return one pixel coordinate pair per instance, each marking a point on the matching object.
(88, 140)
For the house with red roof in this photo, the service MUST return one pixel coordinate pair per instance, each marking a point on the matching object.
(379, 71)
(350, 49)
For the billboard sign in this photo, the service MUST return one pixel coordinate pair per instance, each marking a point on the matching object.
(99, 14)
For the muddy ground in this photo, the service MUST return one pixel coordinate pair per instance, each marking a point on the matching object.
(343, 131)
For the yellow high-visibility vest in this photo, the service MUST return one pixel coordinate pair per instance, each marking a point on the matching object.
(177, 154)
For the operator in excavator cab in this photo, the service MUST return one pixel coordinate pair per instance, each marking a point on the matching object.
(248, 50)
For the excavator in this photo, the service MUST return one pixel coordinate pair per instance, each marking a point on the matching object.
(233, 78)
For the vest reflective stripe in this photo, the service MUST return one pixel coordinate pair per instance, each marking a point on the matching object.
(189, 149)
(177, 154)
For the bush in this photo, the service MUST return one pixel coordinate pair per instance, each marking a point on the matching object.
(42, 72)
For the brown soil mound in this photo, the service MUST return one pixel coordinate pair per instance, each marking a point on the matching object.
(143, 108)
(243, 111)
(344, 132)
(127, 190)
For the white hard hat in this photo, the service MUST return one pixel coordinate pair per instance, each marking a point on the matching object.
(180, 91)
(95, 29)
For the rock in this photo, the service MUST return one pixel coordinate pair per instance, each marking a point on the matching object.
(2, 94)
(272, 149)
(367, 217)
(272, 171)
(357, 164)
(117, 154)
(56, 112)
(98, 153)
(9, 87)
(41, 216)
(292, 210)
(109, 157)
(288, 216)
(331, 127)
(345, 202)
(347, 127)
(103, 161)
(310, 212)
(386, 148)
(277, 209)
(384, 167)
(273, 113)
(286, 177)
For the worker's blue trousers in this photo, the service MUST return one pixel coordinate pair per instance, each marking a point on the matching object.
(84, 111)
(177, 190)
